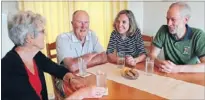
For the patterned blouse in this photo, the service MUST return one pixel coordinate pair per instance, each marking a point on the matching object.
(131, 45)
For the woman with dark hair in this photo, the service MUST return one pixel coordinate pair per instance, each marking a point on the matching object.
(126, 38)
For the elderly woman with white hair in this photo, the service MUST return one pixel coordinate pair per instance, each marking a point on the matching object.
(23, 66)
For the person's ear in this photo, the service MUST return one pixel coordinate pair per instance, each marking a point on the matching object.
(29, 38)
(186, 19)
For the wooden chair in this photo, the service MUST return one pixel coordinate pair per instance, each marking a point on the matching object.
(147, 42)
(49, 48)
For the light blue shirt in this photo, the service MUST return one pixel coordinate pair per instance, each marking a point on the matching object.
(67, 45)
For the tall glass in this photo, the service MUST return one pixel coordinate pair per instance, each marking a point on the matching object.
(121, 59)
(101, 81)
(149, 66)
(82, 66)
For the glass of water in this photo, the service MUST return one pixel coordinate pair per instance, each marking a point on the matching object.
(121, 59)
(101, 81)
(149, 66)
(82, 67)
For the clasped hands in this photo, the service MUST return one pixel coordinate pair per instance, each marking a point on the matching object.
(129, 60)
(168, 66)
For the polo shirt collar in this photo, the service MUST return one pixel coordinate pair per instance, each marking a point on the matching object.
(75, 39)
(187, 36)
(188, 33)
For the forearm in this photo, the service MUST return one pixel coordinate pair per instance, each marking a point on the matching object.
(112, 58)
(98, 59)
(192, 68)
(76, 96)
(157, 62)
(71, 64)
(140, 58)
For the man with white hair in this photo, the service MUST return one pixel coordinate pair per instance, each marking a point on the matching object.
(79, 43)
(183, 45)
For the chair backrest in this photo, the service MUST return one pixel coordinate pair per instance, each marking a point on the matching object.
(147, 38)
(50, 47)
(147, 42)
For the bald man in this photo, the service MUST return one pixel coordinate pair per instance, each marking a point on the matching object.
(81, 42)
(184, 46)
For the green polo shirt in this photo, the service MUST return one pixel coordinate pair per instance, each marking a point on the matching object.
(184, 51)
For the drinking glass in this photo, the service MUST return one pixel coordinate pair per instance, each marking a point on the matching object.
(121, 59)
(82, 66)
(149, 66)
(101, 81)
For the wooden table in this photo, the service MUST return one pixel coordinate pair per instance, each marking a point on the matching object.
(196, 78)
(121, 91)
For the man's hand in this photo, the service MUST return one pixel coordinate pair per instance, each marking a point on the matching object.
(169, 67)
(130, 60)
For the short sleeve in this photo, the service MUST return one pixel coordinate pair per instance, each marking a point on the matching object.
(160, 37)
(97, 47)
(200, 45)
(63, 47)
(112, 45)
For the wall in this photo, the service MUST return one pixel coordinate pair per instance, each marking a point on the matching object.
(8, 8)
(155, 15)
(137, 9)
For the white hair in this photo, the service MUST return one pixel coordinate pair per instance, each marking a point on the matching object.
(185, 9)
(25, 23)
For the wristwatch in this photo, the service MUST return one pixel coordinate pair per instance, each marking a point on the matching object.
(70, 79)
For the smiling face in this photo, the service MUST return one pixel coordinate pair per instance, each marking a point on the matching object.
(122, 24)
(80, 24)
(175, 20)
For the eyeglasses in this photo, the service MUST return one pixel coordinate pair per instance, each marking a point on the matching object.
(42, 31)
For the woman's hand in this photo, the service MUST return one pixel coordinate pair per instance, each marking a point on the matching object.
(75, 83)
(87, 92)
(129, 60)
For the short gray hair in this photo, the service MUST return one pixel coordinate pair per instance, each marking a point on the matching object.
(185, 9)
(24, 23)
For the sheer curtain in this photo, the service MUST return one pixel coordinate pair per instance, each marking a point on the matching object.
(59, 15)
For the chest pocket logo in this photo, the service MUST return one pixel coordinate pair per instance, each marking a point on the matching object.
(186, 50)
